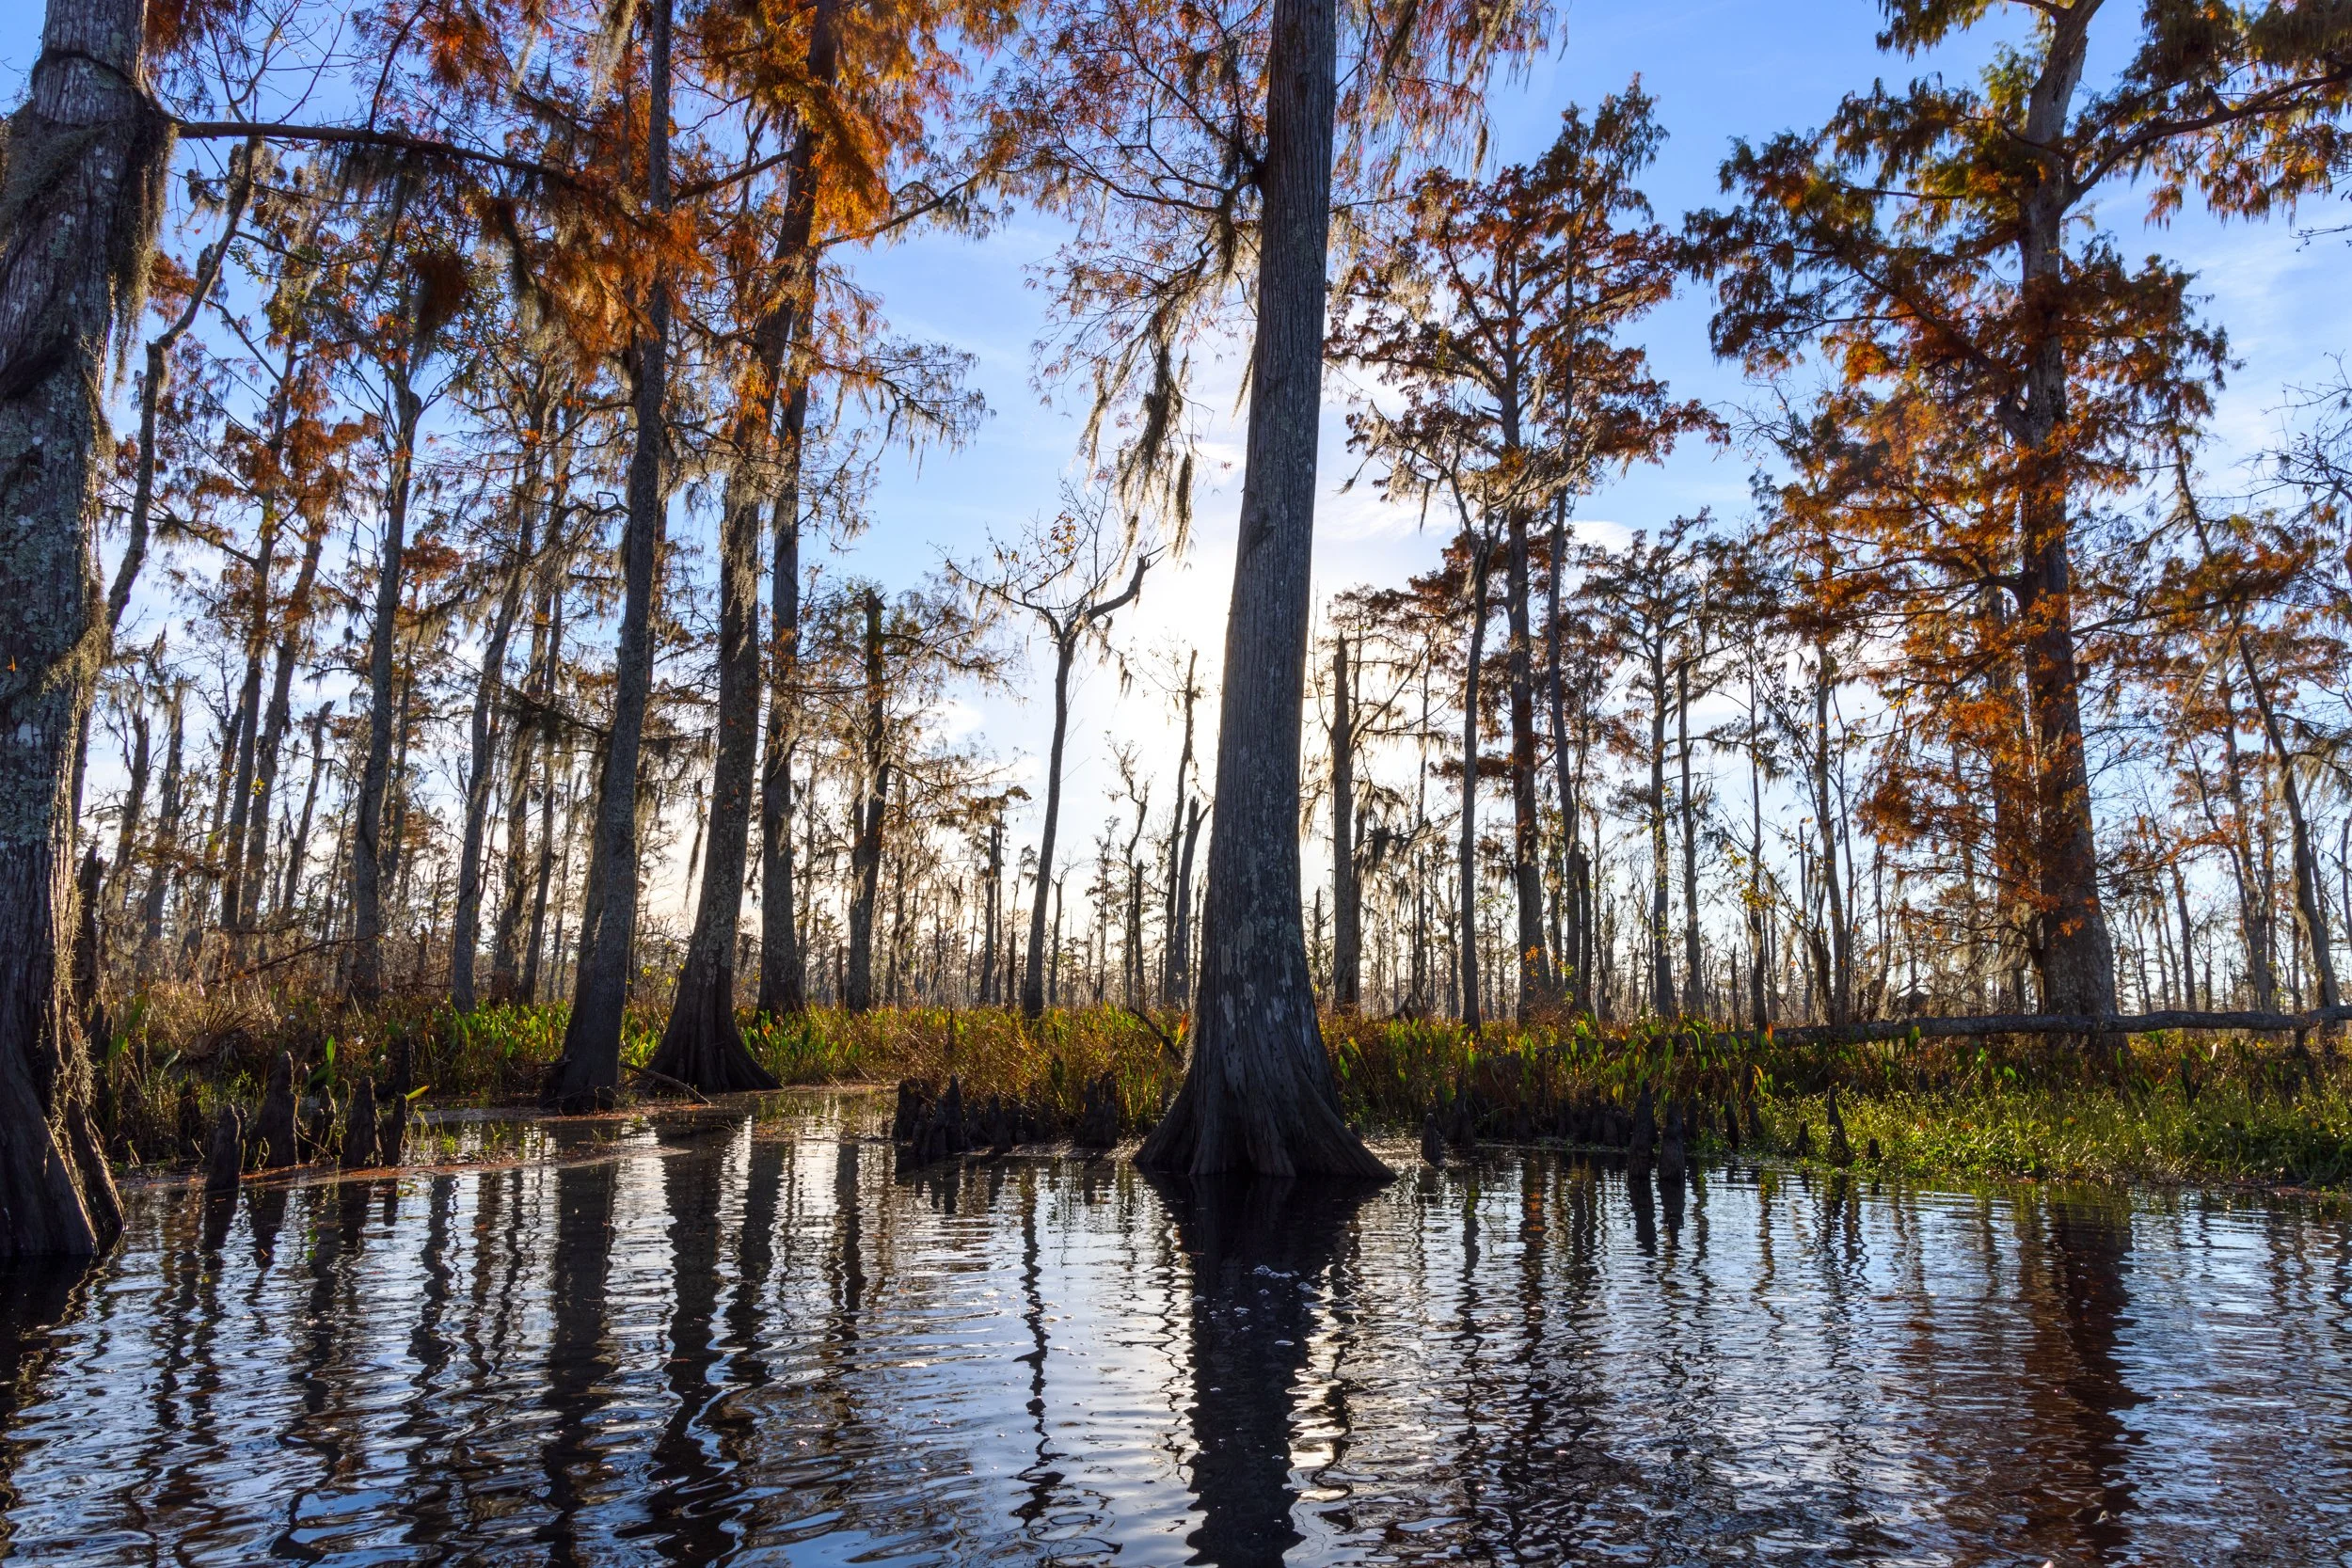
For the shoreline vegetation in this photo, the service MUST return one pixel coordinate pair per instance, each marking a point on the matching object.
(2163, 1108)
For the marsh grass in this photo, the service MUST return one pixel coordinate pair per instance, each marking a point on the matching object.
(2158, 1109)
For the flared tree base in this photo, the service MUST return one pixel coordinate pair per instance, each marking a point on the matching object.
(1258, 1099)
(701, 1046)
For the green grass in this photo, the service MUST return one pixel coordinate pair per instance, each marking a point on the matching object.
(2160, 1111)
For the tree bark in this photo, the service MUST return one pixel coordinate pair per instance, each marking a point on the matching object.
(701, 1044)
(1661, 926)
(80, 200)
(782, 969)
(1695, 988)
(1527, 875)
(133, 800)
(1347, 945)
(1466, 948)
(366, 836)
(232, 899)
(865, 846)
(164, 864)
(783, 972)
(1572, 977)
(279, 718)
(588, 1075)
(1836, 984)
(2078, 955)
(1033, 975)
(523, 764)
(1173, 963)
(2309, 902)
(1260, 1095)
(482, 750)
(298, 849)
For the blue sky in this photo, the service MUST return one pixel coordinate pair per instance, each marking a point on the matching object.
(1718, 71)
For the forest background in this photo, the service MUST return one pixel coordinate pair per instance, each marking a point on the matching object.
(1718, 71)
(1905, 866)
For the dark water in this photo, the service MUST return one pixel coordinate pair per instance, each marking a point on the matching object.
(720, 1341)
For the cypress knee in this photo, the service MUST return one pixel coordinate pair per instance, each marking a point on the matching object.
(392, 1125)
(276, 1128)
(1840, 1151)
(225, 1158)
(360, 1127)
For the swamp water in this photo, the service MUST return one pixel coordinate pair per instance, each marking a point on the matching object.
(713, 1337)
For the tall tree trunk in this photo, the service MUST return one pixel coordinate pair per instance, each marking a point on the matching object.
(1467, 946)
(1181, 943)
(241, 813)
(1347, 943)
(366, 836)
(783, 968)
(1527, 870)
(2254, 891)
(1760, 1006)
(1033, 977)
(165, 861)
(279, 718)
(865, 848)
(158, 375)
(535, 948)
(1260, 1095)
(298, 849)
(134, 799)
(1574, 978)
(482, 735)
(2188, 940)
(1661, 855)
(81, 195)
(701, 1044)
(589, 1072)
(521, 769)
(1838, 948)
(783, 979)
(991, 915)
(1695, 989)
(2077, 956)
(1173, 963)
(2309, 901)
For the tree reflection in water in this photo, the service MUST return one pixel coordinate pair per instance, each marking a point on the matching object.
(703, 1337)
(1255, 1252)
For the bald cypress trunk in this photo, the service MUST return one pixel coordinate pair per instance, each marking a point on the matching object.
(1527, 875)
(869, 813)
(589, 1073)
(1260, 1095)
(367, 847)
(2077, 952)
(1348, 948)
(79, 203)
(782, 983)
(701, 1045)
(1466, 948)
(277, 720)
(489, 693)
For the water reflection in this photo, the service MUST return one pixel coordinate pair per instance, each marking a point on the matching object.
(1255, 1253)
(721, 1338)
(579, 1352)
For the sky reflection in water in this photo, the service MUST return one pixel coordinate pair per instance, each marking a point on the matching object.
(705, 1340)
